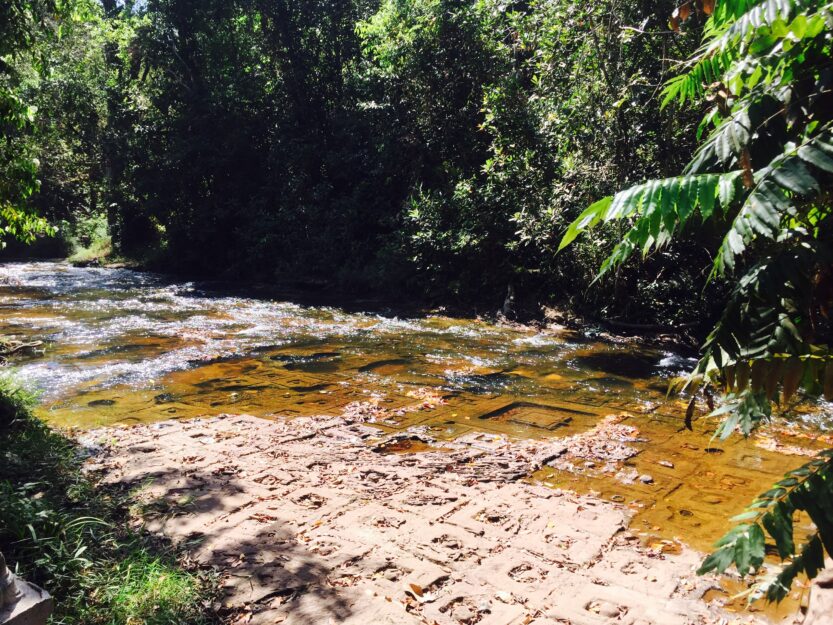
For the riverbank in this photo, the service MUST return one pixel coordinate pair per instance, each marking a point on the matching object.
(324, 520)
(61, 532)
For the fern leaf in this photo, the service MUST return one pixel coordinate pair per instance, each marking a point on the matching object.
(746, 26)
(591, 216)
(728, 34)
(772, 198)
(660, 207)
(744, 545)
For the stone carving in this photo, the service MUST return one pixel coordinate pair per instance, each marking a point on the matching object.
(8, 588)
(21, 603)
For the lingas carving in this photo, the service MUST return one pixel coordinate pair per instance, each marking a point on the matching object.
(21, 603)
(9, 593)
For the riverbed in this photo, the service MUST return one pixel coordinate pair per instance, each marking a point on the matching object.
(120, 347)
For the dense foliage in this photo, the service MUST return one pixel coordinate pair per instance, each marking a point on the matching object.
(423, 147)
(763, 175)
(19, 31)
(441, 147)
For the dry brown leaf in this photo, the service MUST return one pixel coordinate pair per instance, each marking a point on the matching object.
(746, 166)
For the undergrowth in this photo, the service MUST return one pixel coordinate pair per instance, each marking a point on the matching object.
(61, 532)
(97, 252)
(89, 240)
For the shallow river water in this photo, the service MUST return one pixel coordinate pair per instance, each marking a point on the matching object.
(123, 347)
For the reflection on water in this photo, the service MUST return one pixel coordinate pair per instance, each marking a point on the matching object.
(127, 347)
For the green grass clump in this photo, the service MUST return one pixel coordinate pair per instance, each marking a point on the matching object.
(143, 589)
(96, 252)
(58, 530)
(15, 401)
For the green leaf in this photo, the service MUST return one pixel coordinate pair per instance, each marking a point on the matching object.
(816, 157)
(799, 26)
(718, 561)
(588, 219)
(757, 547)
(795, 177)
(778, 522)
(706, 196)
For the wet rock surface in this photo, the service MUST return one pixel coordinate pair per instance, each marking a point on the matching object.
(306, 523)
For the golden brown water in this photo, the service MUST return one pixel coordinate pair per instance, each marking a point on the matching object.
(127, 347)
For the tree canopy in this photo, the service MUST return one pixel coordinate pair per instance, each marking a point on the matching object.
(442, 145)
(20, 30)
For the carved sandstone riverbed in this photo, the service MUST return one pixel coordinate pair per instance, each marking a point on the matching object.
(128, 348)
(310, 521)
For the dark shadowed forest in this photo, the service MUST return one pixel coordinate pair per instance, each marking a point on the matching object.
(433, 150)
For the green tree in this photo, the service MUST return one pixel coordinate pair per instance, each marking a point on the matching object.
(68, 89)
(763, 173)
(21, 24)
(513, 114)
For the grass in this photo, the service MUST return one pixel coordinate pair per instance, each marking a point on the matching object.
(60, 531)
(96, 252)
(144, 589)
(15, 401)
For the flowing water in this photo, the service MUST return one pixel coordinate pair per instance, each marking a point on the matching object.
(121, 347)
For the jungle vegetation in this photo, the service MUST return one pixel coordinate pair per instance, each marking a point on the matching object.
(432, 150)
(762, 176)
(440, 149)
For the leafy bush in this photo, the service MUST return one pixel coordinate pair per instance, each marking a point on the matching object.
(763, 174)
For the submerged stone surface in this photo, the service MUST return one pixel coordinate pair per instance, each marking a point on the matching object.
(308, 524)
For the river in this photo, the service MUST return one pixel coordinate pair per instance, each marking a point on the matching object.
(124, 347)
